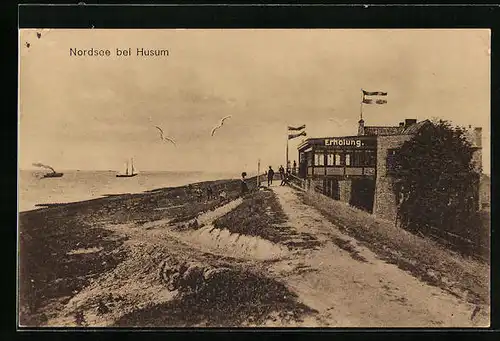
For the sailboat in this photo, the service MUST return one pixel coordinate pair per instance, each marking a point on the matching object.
(127, 175)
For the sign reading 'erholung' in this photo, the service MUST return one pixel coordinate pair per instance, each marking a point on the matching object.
(344, 142)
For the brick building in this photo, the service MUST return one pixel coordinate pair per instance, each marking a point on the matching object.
(357, 169)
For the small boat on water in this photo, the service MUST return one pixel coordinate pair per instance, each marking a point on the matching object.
(53, 175)
(127, 174)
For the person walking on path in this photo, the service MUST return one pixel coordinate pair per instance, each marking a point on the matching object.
(282, 172)
(285, 179)
(244, 185)
(294, 171)
(270, 176)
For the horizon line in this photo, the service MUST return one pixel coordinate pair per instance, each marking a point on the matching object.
(117, 171)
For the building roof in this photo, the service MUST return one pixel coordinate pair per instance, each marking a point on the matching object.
(376, 131)
(384, 131)
(414, 128)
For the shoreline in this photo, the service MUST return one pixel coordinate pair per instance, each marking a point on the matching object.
(30, 205)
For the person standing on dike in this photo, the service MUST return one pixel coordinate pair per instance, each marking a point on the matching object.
(282, 172)
(244, 185)
(286, 179)
(270, 176)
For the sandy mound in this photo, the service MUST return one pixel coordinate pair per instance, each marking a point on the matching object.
(236, 245)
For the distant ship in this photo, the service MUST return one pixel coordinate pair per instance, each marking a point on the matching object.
(127, 175)
(53, 175)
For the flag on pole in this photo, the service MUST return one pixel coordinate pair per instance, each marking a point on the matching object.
(297, 128)
(292, 136)
(373, 93)
(371, 101)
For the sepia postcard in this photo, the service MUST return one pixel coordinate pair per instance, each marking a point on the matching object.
(199, 178)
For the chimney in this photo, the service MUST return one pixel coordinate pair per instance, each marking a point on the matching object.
(410, 121)
(361, 128)
(478, 137)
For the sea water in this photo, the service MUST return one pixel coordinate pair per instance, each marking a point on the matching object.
(84, 185)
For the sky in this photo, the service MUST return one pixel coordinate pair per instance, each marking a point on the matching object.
(94, 113)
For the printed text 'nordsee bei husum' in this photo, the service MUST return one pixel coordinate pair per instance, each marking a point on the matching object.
(119, 52)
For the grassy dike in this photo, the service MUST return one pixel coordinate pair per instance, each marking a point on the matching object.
(261, 215)
(49, 270)
(423, 258)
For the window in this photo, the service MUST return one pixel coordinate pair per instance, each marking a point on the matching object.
(347, 159)
(330, 159)
(370, 159)
(309, 159)
(319, 159)
(333, 159)
(358, 158)
(391, 160)
(337, 160)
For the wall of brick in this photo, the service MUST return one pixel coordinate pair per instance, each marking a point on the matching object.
(312, 183)
(384, 205)
(345, 190)
(384, 143)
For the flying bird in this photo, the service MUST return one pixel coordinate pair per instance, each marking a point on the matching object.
(220, 124)
(165, 138)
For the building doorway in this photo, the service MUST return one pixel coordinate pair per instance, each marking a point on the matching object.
(303, 169)
(331, 188)
(363, 194)
(327, 189)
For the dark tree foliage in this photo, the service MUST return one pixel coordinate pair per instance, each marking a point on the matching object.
(436, 181)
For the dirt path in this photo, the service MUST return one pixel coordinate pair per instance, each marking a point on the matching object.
(351, 287)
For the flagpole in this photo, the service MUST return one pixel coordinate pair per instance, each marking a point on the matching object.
(286, 159)
(361, 105)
